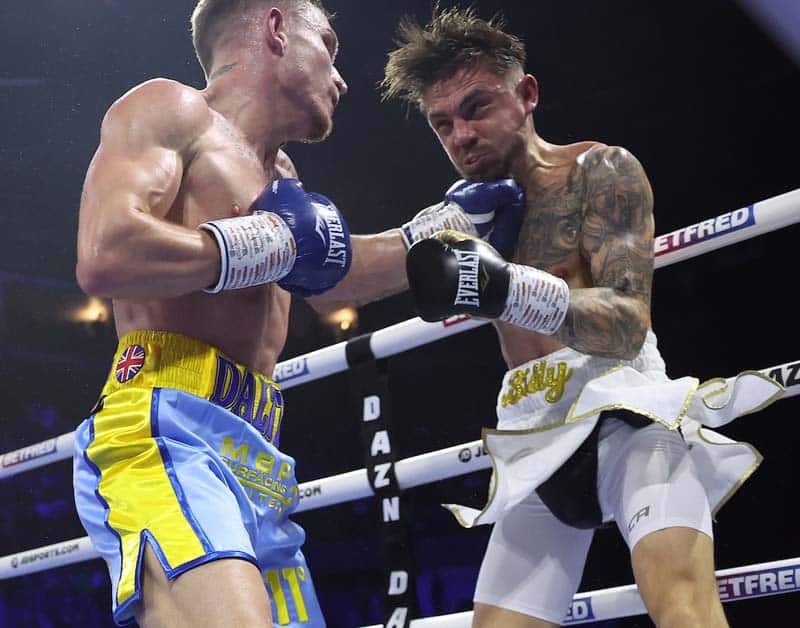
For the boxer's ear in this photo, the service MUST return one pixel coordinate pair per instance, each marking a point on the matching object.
(528, 91)
(274, 30)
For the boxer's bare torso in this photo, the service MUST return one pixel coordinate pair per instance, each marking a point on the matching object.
(588, 212)
(565, 233)
(205, 170)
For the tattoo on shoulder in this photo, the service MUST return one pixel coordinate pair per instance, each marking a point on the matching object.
(617, 242)
(618, 226)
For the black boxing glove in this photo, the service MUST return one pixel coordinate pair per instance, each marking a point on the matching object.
(454, 273)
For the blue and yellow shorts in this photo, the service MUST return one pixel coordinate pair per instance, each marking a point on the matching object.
(181, 454)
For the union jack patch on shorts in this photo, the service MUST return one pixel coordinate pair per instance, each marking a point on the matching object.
(130, 363)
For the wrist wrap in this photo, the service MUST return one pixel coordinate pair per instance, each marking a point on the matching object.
(536, 301)
(254, 249)
(446, 215)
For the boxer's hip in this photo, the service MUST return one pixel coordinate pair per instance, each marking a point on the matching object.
(543, 391)
(550, 410)
(181, 453)
(158, 359)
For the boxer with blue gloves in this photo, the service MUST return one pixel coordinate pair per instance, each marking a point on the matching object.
(193, 221)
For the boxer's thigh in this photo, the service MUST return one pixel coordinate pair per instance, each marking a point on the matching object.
(648, 482)
(218, 594)
(662, 512)
(532, 568)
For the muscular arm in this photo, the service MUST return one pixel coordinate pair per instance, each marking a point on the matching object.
(612, 317)
(126, 248)
(378, 270)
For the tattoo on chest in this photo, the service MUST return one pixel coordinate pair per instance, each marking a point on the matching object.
(551, 229)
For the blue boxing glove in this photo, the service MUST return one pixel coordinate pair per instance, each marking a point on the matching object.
(496, 208)
(321, 235)
(492, 211)
(296, 239)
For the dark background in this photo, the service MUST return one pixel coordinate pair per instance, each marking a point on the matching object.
(698, 91)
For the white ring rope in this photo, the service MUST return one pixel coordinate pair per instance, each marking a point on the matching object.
(736, 226)
(734, 584)
(708, 235)
(425, 468)
(750, 221)
(741, 224)
(759, 218)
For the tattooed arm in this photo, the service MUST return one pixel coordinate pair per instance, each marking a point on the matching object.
(612, 317)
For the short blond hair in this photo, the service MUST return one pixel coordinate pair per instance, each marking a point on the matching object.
(454, 39)
(211, 17)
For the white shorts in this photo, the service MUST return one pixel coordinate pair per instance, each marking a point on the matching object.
(646, 482)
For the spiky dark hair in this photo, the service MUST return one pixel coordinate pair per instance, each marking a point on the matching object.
(455, 38)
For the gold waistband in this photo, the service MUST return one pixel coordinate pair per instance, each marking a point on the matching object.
(159, 359)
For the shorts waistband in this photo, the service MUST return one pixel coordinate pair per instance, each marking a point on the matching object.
(550, 384)
(160, 359)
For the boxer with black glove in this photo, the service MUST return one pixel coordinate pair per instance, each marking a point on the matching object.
(454, 273)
